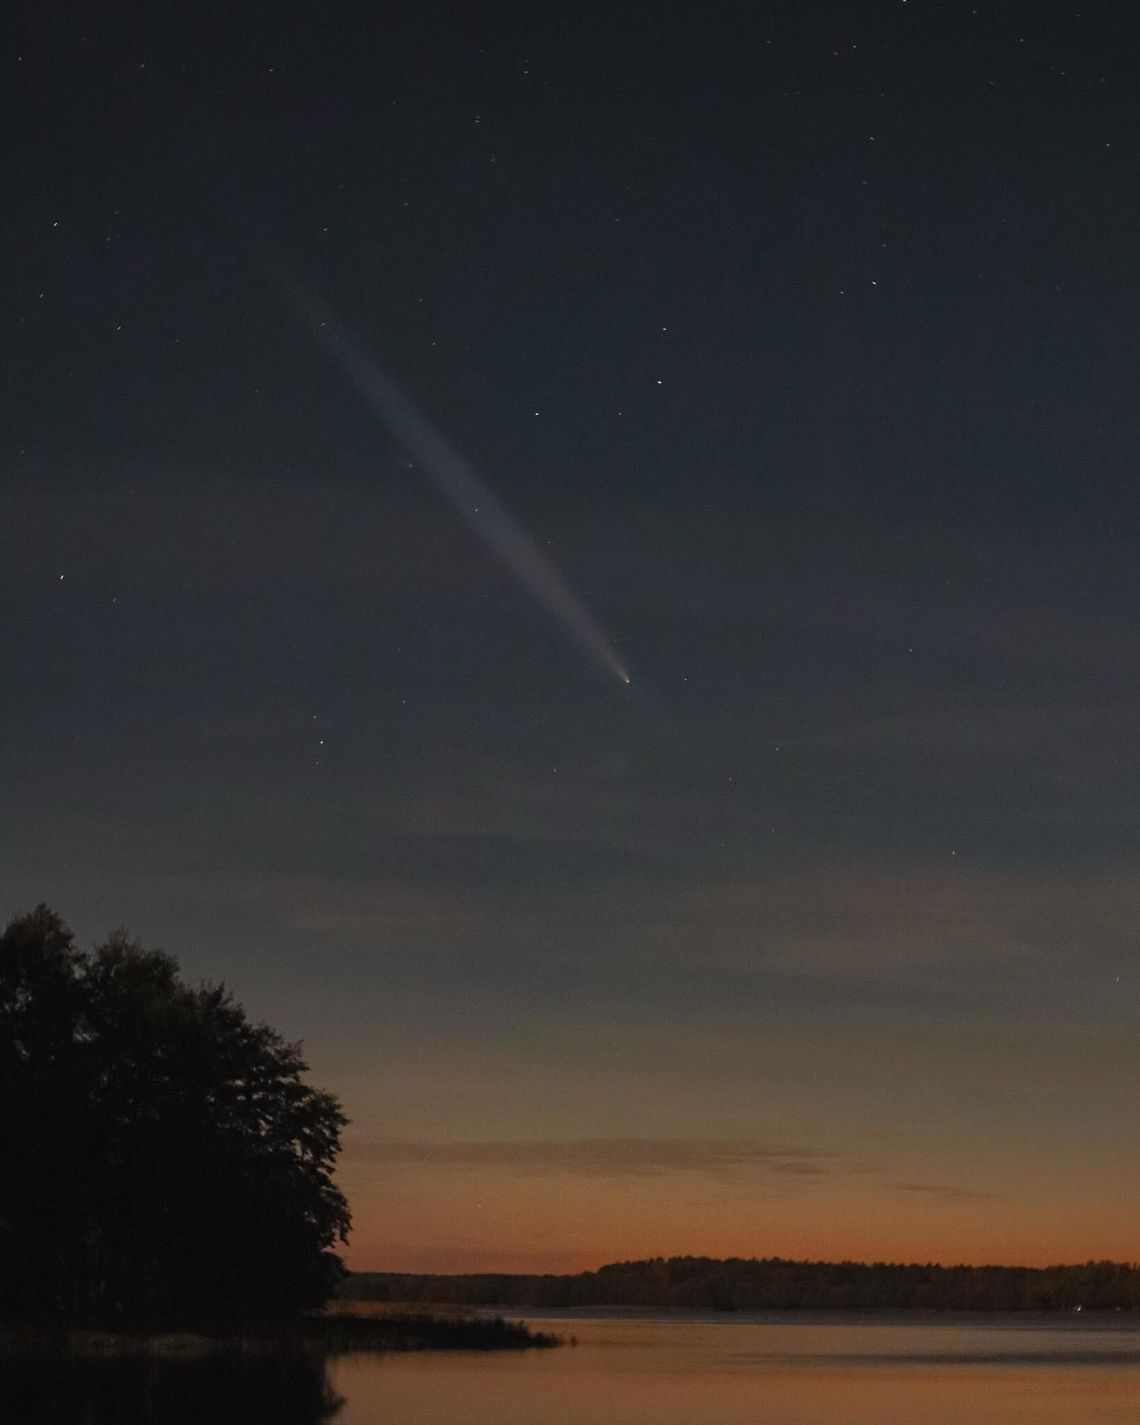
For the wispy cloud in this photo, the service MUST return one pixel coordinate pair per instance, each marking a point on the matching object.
(600, 1157)
(944, 1192)
(825, 918)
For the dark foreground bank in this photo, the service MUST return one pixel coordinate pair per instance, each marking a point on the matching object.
(413, 1331)
(398, 1331)
(166, 1381)
(58, 1375)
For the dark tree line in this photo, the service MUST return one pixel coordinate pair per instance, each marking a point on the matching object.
(161, 1155)
(738, 1284)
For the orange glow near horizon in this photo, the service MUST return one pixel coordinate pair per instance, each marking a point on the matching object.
(601, 1141)
(479, 1219)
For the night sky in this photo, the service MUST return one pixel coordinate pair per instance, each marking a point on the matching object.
(385, 384)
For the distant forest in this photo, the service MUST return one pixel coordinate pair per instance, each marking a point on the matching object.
(772, 1284)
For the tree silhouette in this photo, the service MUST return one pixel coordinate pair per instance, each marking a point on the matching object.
(163, 1155)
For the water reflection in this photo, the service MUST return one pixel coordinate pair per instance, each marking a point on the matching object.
(995, 1371)
(803, 1372)
(220, 1387)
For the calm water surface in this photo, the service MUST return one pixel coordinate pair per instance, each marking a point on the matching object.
(625, 1371)
(993, 1371)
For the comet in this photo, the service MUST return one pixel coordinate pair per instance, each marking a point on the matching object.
(455, 478)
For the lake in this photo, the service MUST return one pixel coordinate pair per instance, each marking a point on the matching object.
(634, 1370)
(625, 1371)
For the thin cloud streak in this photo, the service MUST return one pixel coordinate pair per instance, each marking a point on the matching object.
(598, 1157)
(944, 1192)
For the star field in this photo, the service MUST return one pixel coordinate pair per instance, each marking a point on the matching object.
(787, 361)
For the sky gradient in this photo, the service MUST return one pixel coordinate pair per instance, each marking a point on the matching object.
(802, 348)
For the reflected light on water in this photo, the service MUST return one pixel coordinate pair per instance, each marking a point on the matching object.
(1047, 1371)
(630, 1373)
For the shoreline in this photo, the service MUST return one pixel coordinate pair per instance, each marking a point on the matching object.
(336, 1334)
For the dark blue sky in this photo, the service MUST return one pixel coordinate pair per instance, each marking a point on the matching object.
(803, 343)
